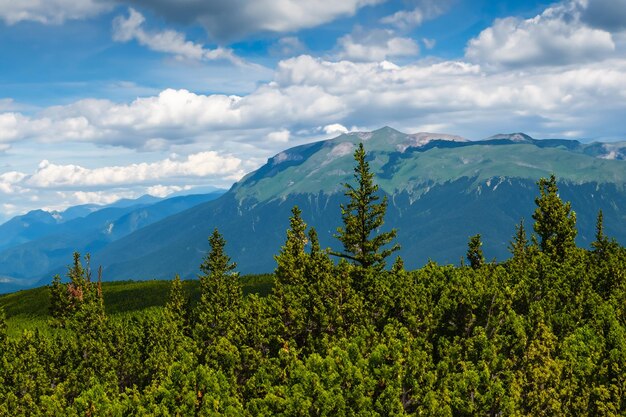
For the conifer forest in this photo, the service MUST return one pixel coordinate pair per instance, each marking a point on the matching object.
(345, 333)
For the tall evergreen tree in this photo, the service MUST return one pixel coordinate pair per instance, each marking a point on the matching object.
(59, 301)
(603, 245)
(519, 246)
(221, 295)
(177, 303)
(291, 290)
(292, 258)
(555, 222)
(362, 217)
(475, 254)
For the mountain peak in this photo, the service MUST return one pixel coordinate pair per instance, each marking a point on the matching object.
(514, 137)
(422, 138)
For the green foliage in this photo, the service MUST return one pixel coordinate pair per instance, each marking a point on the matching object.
(177, 303)
(538, 335)
(362, 217)
(3, 326)
(221, 296)
(555, 222)
(475, 254)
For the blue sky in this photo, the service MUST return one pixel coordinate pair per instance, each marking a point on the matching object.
(105, 99)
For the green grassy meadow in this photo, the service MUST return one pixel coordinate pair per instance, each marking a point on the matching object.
(29, 309)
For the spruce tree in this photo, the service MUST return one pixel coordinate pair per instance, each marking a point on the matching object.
(177, 303)
(475, 254)
(291, 291)
(555, 222)
(519, 246)
(59, 301)
(221, 295)
(291, 259)
(603, 245)
(362, 217)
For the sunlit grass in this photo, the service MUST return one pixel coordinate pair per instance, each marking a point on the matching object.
(29, 309)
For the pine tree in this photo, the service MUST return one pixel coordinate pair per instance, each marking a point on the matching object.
(291, 260)
(362, 217)
(291, 290)
(59, 301)
(603, 245)
(221, 295)
(475, 254)
(177, 303)
(519, 246)
(555, 222)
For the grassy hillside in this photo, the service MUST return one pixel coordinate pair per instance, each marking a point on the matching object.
(28, 309)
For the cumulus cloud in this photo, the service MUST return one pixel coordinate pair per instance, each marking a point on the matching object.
(288, 46)
(174, 116)
(405, 18)
(50, 11)
(411, 18)
(168, 41)
(466, 97)
(203, 164)
(9, 182)
(227, 20)
(309, 92)
(160, 190)
(555, 37)
(281, 136)
(335, 128)
(375, 45)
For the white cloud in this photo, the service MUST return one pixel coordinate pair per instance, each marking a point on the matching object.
(288, 46)
(9, 129)
(281, 136)
(555, 37)
(9, 182)
(50, 11)
(335, 129)
(203, 164)
(168, 41)
(375, 45)
(162, 191)
(310, 92)
(405, 19)
(226, 20)
(411, 18)
(466, 97)
(93, 197)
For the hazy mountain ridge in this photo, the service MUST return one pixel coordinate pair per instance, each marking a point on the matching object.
(49, 250)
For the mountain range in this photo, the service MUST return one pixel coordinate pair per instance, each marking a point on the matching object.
(441, 190)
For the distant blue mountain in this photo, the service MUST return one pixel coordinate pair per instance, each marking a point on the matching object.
(40, 242)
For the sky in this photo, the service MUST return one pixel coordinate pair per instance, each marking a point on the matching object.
(109, 99)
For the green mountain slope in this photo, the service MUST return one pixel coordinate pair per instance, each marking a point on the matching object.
(441, 191)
